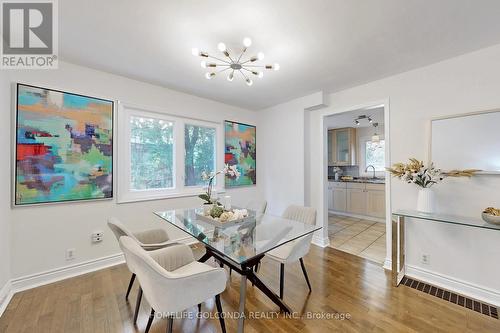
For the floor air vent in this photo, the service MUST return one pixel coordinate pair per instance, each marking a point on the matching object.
(452, 297)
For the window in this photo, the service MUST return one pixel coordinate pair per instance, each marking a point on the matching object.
(375, 154)
(199, 143)
(151, 153)
(161, 156)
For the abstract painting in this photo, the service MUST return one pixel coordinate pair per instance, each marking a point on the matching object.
(240, 150)
(64, 146)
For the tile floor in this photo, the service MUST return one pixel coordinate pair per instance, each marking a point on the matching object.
(357, 236)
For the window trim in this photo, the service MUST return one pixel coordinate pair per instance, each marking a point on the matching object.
(125, 194)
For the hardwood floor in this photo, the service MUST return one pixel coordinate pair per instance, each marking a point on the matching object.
(342, 284)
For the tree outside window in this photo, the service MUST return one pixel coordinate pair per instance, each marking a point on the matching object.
(200, 143)
(375, 154)
(151, 153)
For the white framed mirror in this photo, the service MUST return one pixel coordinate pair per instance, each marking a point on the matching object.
(467, 141)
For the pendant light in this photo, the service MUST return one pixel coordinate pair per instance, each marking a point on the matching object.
(375, 136)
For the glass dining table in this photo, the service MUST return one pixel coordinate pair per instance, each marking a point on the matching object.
(240, 246)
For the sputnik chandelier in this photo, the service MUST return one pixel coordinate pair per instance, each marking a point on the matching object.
(233, 63)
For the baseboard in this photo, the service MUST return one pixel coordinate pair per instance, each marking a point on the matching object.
(58, 274)
(6, 294)
(357, 216)
(62, 273)
(459, 286)
(321, 241)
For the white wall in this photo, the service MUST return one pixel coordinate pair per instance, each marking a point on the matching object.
(460, 257)
(41, 235)
(280, 144)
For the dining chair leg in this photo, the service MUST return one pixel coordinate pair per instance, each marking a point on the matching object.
(305, 273)
(220, 313)
(282, 279)
(150, 321)
(230, 271)
(130, 284)
(137, 305)
(199, 307)
(170, 324)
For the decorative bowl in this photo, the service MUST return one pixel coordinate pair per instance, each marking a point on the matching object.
(203, 216)
(493, 219)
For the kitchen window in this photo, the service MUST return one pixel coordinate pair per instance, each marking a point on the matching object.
(162, 156)
(375, 154)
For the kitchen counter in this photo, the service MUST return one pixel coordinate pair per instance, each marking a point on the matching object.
(359, 180)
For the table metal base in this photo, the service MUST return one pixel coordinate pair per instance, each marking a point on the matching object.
(398, 250)
(246, 271)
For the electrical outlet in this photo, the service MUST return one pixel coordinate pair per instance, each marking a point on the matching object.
(70, 254)
(97, 236)
(426, 259)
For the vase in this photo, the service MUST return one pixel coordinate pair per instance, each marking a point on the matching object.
(425, 202)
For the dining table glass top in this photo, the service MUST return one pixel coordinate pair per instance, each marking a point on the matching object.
(240, 242)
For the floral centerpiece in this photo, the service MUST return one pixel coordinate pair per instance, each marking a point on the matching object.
(415, 172)
(213, 208)
(209, 177)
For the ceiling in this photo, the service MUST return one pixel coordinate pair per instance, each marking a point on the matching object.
(325, 45)
(346, 119)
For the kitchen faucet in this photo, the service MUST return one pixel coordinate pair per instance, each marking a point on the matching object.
(371, 166)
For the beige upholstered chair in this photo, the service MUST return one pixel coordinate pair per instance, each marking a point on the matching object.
(172, 280)
(259, 206)
(295, 250)
(150, 240)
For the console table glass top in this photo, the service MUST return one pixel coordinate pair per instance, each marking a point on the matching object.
(451, 219)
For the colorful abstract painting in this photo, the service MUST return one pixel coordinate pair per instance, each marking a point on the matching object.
(64, 146)
(240, 150)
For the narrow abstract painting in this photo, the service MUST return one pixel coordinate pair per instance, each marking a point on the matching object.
(64, 146)
(240, 150)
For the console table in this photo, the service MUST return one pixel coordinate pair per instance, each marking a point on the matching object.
(398, 234)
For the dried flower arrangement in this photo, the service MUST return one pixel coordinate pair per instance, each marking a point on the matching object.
(417, 173)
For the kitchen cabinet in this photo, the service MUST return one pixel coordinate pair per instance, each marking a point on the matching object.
(356, 198)
(330, 196)
(365, 199)
(342, 146)
(375, 200)
(337, 196)
(339, 199)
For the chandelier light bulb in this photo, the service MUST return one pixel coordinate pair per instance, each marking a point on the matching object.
(209, 76)
(247, 42)
(230, 77)
(276, 67)
(195, 51)
(221, 47)
(203, 64)
(356, 122)
(260, 55)
(249, 82)
(260, 75)
(370, 120)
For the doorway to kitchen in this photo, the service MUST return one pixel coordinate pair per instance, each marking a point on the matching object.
(356, 182)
